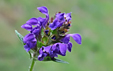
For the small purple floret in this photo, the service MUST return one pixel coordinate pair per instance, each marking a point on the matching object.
(36, 30)
(69, 47)
(27, 27)
(43, 52)
(43, 10)
(76, 37)
(67, 16)
(54, 25)
(33, 21)
(30, 41)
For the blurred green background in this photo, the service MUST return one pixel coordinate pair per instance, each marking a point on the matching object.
(93, 19)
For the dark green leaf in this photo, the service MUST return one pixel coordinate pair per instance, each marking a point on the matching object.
(59, 61)
(47, 58)
(19, 36)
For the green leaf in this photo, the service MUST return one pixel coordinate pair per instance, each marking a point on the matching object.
(48, 58)
(40, 44)
(19, 36)
(55, 32)
(45, 39)
(59, 61)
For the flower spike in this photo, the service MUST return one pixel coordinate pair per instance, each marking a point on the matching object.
(48, 38)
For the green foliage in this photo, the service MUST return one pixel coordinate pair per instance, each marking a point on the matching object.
(45, 40)
(19, 36)
(55, 60)
(54, 32)
(59, 61)
(40, 44)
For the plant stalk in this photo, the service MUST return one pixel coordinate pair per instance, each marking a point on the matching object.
(32, 65)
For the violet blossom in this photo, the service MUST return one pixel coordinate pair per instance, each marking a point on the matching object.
(48, 38)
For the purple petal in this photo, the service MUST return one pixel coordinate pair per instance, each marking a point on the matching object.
(29, 45)
(41, 50)
(54, 25)
(41, 56)
(47, 49)
(30, 41)
(29, 37)
(69, 47)
(66, 39)
(67, 16)
(33, 44)
(27, 27)
(43, 10)
(62, 48)
(36, 30)
(32, 21)
(76, 37)
(41, 20)
(60, 16)
(46, 21)
(52, 54)
(44, 49)
(55, 48)
(26, 47)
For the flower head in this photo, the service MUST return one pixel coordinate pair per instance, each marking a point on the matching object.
(49, 38)
(44, 10)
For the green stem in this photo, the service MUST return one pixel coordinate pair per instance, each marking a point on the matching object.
(32, 65)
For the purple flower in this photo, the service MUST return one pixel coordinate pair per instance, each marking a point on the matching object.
(67, 16)
(36, 30)
(27, 27)
(60, 17)
(43, 52)
(41, 21)
(44, 10)
(53, 51)
(37, 21)
(29, 23)
(33, 21)
(54, 25)
(58, 21)
(76, 37)
(51, 43)
(30, 41)
(69, 47)
(60, 48)
(29, 45)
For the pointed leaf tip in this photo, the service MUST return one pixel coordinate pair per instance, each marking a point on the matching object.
(59, 61)
(19, 36)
